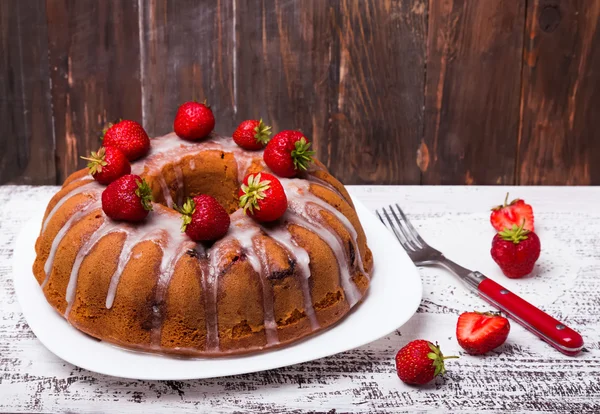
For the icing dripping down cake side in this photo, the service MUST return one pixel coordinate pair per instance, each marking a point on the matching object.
(148, 287)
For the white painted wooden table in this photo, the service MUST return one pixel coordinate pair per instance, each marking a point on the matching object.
(523, 375)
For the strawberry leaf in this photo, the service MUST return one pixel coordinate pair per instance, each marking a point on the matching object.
(96, 161)
(302, 155)
(262, 132)
(253, 192)
(145, 194)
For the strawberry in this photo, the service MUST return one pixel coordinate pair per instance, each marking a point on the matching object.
(194, 121)
(262, 197)
(507, 215)
(128, 136)
(107, 164)
(204, 219)
(128, 198)
(288, 153)
(252, 134)
(419, 362)
(516, 251)
(479, 333)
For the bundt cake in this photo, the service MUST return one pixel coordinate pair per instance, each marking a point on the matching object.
(147, 286)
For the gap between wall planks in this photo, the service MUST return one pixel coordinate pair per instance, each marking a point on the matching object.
(392, 92)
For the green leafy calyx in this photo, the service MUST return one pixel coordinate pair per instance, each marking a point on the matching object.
(254, 191)
(144, 192)
(302, 155)
(96, 161)
(262, 132)
(516, 234)
(188, 208)
(438, 359)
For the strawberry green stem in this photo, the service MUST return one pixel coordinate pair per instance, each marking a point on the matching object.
(302, 155)
(262, 132)
(438, 359)
(145, 194)
(188, 208)
(96, 161)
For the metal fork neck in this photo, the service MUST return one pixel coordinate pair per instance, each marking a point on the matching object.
(471, 278)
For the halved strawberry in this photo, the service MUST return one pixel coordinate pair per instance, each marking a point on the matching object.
(507, 215)
(479, 333)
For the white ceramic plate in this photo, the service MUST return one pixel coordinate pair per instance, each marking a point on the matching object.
(393, 297)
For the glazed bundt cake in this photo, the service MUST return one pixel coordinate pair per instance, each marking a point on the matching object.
(148, 286)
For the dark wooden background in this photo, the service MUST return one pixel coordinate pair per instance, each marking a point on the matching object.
(391, 92)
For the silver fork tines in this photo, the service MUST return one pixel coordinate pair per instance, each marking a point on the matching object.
(418, 250)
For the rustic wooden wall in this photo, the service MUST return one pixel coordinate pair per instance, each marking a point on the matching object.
(391, 91)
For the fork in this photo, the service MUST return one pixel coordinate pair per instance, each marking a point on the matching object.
(555, 333)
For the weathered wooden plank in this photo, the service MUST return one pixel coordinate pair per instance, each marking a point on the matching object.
(95, 71)
(27, 143)
(349, 74)
(559, 141)
(187, 53)
(472, 94)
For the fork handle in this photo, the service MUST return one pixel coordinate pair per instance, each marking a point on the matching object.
(554, 332)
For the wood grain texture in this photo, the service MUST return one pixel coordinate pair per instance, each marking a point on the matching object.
(559, 141)
(187, 53)
(348, 74)
(472, 94)
(27, 142)
(95, 70)
(524, 375)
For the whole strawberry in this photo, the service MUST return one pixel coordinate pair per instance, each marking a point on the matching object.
(512, 214)
(288, 153)
(252, 134)
(262, 197)
(419, 362)
(128, 136)
(204, 219)
(479, 333)
(516, 250)
(128, 198)
(107, 164)
(194, 121)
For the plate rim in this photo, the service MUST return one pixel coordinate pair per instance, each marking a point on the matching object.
(21, 291)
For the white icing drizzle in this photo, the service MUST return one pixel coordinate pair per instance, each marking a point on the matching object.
(210, 287)
(61, 234)
(165, 191)
(173, 249)
(297, 192)
(92, 188)
(283, 236)
(192, 164)
(310, 197)
(107, 227)
(244, 230)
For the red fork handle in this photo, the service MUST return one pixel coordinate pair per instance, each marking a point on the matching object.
(557, 334)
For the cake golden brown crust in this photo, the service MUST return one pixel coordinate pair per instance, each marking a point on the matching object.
(148, 287)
